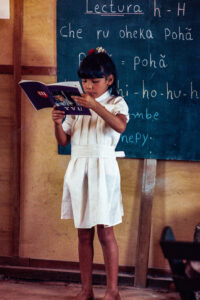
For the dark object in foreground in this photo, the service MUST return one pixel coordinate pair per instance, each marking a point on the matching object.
(180, 255)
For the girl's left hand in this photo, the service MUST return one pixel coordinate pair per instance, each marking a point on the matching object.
(85, 100)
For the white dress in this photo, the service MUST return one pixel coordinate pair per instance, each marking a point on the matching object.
(91, 190)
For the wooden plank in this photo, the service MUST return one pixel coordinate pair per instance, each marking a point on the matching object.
(41, 274)
(72, 265)
(24, 268)
(144, 231)
(33, 70)
(17, 51)
(30, 70)
(6, 69)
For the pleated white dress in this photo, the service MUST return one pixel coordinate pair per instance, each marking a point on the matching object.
(91, 190)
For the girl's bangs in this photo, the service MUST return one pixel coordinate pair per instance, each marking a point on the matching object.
(90, 73)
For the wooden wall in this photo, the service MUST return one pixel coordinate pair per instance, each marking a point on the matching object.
(42, 233)
(6, 138)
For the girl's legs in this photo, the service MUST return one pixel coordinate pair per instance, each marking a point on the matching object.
(86, 252)
(110, 253)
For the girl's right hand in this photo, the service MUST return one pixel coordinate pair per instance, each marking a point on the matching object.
(57, 115)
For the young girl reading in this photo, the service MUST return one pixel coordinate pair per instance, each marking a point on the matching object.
(91, 192)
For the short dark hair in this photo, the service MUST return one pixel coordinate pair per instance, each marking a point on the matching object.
(99, 65)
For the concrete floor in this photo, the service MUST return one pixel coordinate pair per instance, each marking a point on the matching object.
(20, 290)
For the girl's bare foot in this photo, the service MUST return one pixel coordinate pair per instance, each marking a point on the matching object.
(111, 295)
(85, 295)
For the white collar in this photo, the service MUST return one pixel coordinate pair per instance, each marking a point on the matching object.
(104, 96)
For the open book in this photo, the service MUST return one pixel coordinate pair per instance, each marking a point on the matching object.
(43, 95)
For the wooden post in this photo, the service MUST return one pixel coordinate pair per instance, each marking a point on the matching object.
(144, 231)
(17, 50)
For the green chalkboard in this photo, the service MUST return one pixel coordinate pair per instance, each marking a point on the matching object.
(155, 45)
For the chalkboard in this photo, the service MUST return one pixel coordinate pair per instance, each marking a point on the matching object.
(155, 45)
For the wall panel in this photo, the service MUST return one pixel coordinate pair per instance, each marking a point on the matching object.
(39, 47)
(6, 163)
(6, 38)
(6, 137)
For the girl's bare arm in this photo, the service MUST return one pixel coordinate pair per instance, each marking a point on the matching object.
(117, 122)
(57, 116)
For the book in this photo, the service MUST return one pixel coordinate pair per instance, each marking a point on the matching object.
(43, 95)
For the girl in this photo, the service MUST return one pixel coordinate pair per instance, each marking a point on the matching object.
(91, 192)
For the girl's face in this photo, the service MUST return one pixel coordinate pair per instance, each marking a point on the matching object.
(95, 87)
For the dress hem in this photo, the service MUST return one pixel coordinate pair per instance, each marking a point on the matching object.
(95, 224)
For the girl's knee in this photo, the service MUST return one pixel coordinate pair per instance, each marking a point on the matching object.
(86, 235)
(105, 234)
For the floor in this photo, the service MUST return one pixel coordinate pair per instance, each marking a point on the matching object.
(20, 290)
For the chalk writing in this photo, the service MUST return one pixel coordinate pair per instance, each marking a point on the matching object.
(140, 34)
(103, 33)
(182, 34)
(190, 93)
(180, 10)
(149, 62)
(123, 91)
(68, 32)
(136, 138)
(170, 94)
(146, 115)
(110, 7)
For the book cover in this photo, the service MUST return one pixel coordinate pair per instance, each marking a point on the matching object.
(43, 95)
